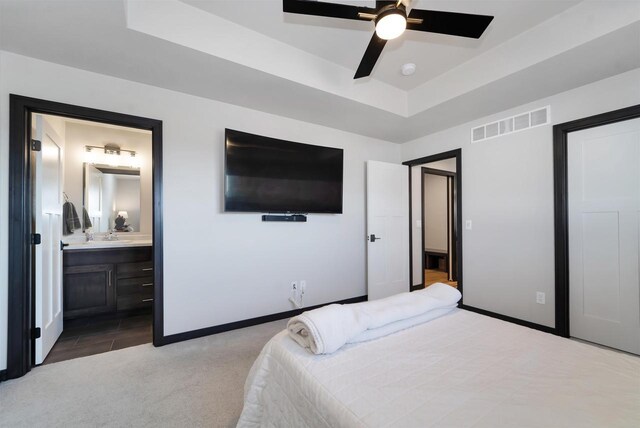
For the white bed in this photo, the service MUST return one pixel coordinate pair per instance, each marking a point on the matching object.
(460, 370)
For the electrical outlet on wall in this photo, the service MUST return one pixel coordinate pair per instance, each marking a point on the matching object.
(301, 291)
(540, 297)
(296, 294)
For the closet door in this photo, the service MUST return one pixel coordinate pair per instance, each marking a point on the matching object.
(604, 244)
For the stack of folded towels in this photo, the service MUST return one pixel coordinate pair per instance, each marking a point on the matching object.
(327, 329)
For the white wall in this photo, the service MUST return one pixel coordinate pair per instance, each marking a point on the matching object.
(443, 165)
(435, 212)
(79, 135)
(508, 194)
(218, 267)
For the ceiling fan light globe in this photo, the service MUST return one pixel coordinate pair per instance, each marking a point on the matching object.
(391, 25)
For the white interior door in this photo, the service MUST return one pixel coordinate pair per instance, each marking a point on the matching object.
(604, 208)
(387, 229)
(47, 192)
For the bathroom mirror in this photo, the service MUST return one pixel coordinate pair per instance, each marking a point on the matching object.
(111, 198)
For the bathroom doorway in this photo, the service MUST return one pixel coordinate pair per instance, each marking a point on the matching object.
(91, 192)
(86, 187)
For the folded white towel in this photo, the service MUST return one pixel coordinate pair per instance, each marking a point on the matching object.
(407, 305)
(400, 325)
(327, 329)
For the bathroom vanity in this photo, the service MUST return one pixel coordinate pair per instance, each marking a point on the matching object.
(107, 277)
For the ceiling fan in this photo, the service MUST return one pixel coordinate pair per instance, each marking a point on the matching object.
(391, 20)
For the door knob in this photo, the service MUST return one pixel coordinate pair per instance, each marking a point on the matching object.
(373, 238)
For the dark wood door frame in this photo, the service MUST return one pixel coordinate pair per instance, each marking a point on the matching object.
(457, 223)
(451, 249)
(21, 316)
(561, 203)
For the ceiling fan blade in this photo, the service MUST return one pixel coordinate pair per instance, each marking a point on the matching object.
(370, 57)
(452, 23)
(331, 10)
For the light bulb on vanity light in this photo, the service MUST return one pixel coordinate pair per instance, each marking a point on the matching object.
(90, 155)
(112, 159)
(134, 160)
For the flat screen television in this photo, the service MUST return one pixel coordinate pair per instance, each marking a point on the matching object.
(268, 175)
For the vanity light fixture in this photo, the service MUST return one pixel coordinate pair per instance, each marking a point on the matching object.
(111, 154)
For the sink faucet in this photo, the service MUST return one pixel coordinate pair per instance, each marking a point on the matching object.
(110, 236)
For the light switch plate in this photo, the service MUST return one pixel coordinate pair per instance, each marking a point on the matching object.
(467, 225)
(540, 297)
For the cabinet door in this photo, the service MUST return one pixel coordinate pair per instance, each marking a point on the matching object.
(89, 290)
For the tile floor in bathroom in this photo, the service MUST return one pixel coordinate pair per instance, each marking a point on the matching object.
(88, 336)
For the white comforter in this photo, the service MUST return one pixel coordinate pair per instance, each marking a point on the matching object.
(460, 370)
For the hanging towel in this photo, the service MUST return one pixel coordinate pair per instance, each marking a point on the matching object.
(86, 219)
(70, 219)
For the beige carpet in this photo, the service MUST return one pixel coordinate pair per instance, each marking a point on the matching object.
(196, 383)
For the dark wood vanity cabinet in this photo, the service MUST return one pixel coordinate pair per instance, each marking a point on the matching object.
(135, 285)
(88, 290)
(99, 281)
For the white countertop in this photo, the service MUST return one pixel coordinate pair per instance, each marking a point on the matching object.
(123, 241)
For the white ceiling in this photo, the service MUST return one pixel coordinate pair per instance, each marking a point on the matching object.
(249, 53)
(69, 120)
(344, 41)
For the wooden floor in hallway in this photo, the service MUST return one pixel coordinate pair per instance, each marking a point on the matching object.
(432, 276)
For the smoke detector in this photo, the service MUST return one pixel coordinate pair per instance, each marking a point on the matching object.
(408, 69)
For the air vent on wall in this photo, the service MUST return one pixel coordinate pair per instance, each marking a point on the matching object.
(511, 124)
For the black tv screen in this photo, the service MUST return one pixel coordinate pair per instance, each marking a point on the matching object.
(268, 175)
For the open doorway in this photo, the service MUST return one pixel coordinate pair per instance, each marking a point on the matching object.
(438, 225)
(435, 202)
(91, 187)
(85, 215)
